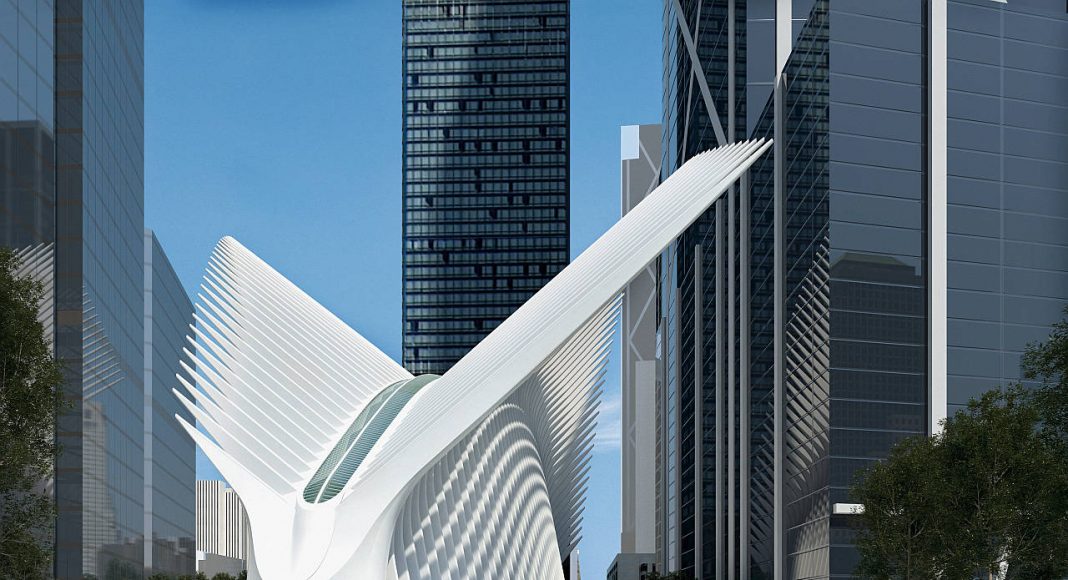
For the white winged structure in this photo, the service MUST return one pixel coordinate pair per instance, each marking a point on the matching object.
(350, 467)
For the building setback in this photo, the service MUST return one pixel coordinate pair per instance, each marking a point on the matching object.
(890, 259)
(486, 169)
(72, 206)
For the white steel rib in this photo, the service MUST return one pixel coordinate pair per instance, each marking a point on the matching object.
(479, 473)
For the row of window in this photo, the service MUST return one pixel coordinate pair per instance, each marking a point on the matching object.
(500, 78)
(416, 299)
(452, 312)
(451, 325)
(467, 92)
(537, 119)
(475, 228)
(476, 105)
(486, 146)
(425, 354)
(468, 271)
(448, 194)
(444, 339)
(496, 214)
(474, 9)
(530, 60)
(475, 284)
(479, 174)
(506, 243)
(412, 25)
(484, 161)
(476, 50)
(484, 133)
(485, 37)
(482, 257)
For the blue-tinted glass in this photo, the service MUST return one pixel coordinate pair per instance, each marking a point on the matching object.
(486, 169)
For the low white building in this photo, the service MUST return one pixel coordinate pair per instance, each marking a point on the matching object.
(222, 526)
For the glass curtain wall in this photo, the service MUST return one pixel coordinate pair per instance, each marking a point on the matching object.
(486, 167)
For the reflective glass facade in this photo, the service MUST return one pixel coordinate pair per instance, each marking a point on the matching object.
(72, 205)
(99, 286)
(853, 127)
(1008, 185)
(27, 144)
(27, 137)
(170, 454)
(486, 168)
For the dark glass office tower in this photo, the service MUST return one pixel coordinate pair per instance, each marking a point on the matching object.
(99, 286)
(1008, 185)
(801, 331)
(170, 454)
(72, 206)
(27, 141)
(486, 168)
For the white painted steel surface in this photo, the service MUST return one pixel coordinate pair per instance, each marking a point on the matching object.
(484, 471)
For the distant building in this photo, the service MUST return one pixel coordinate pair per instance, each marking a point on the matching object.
(212, 564)
(632, 567)
(572, 566)
(486, 167)
(639, 175)
(170, 455)
(222, 526)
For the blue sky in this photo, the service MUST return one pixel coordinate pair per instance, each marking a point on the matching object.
(278, 122)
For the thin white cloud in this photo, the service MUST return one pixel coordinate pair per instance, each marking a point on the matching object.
(609, 435)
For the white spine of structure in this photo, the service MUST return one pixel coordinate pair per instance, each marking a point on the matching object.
(350, 467)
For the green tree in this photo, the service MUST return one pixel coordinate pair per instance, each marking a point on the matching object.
(986, 495)
(1048, 362)
(123, 570)
(901, 537)
(30, 398)
(223, 576)
(1007, 483)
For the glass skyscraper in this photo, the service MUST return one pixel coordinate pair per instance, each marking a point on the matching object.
(99, 293)
(72, 205)
(170, 454)
(27, 138)
(888, 259)
(486, 169)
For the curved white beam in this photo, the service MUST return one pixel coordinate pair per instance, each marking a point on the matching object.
(424, 501)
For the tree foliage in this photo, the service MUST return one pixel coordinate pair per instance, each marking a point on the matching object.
(30, 398)
(197, 576)
(666, 576)
(985, 496)
(902, 496)
(1048, 363)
